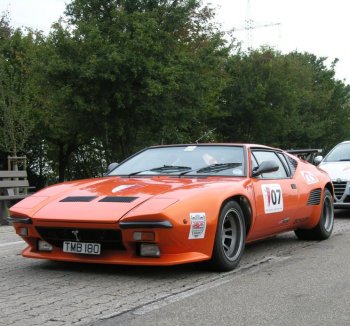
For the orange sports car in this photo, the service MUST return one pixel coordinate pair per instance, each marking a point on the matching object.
(178, 204)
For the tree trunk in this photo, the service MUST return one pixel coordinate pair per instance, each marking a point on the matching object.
(64, 153)
(61, 163)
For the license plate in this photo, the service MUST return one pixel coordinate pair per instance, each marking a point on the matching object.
(82, 247)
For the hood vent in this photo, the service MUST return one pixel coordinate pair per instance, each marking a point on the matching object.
(78, 199)
(117, 199)
(314, 197)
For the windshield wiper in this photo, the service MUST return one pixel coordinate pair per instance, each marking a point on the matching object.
(214, 168)
(344, 159)
(164, 168)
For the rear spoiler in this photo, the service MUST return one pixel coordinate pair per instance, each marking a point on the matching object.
(305, 154)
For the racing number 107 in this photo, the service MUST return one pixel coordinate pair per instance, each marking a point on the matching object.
(273, 198)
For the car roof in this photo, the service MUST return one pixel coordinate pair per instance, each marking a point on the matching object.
(216, 144)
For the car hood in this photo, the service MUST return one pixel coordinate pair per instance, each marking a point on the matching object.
(337, 170)
(107, 199)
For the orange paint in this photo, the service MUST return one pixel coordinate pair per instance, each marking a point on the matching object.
(167, 199)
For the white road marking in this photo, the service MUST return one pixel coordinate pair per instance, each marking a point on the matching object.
(10, 243)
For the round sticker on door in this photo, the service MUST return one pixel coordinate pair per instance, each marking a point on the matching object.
(273, 198)
(309, 177)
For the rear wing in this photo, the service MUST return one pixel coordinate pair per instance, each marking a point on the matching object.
(306, 154)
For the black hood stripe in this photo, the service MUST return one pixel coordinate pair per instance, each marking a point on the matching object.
(117, 199)
(77, 199)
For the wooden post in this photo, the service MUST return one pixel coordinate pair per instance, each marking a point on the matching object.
(3, 213)
(13, 166)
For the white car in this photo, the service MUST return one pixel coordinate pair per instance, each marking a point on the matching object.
(337, 165)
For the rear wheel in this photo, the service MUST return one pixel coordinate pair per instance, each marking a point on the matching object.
(230, 238)
(324, 228)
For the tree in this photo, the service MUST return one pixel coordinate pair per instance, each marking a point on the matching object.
(64, 115)
(16, 87)
(127, 74)
(158, 72)
(288, 101)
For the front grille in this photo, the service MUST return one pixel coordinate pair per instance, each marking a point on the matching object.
(339, 189)
(109, 239)
(314, 197)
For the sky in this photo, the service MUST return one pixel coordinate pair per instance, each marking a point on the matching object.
(320, 27)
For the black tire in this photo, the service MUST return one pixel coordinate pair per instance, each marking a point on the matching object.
(324, 228)
(229, 239)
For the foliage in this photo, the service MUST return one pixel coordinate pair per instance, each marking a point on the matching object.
(114, 76)
(157, 74)
(129, 74)
(285, 100)
(16, 87)
(89, 160)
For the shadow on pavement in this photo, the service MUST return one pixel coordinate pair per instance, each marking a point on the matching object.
(342, 213)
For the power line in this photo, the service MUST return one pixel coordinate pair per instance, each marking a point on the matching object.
(250, 26)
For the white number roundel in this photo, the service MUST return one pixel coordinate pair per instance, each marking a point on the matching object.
(273, 198)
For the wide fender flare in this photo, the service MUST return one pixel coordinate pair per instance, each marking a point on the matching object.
(180, 215)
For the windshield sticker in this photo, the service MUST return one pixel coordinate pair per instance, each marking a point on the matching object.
(273, 198)
(190, 148)
(209, 160)
(198, 225)
(122, 187)
(309, 177)
(237, 172)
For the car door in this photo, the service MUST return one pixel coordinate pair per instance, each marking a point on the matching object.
(276, 194)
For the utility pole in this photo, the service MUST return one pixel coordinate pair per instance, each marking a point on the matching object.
(250, 25)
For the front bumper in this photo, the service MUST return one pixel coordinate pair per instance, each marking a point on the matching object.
(119, 258)
(118, 245)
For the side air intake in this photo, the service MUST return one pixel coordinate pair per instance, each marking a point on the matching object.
(314, 197)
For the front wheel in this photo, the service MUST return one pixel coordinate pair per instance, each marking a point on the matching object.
(230, 238)
(324, 228)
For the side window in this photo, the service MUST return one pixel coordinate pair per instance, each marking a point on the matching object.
(293, 164)
(285, 163)
(255, 164)
(262, 156)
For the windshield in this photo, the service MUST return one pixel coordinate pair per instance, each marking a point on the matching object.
(339, 153)
(185, 160)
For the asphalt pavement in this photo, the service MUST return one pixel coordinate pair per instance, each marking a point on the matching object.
(280, 281)
(308, 287)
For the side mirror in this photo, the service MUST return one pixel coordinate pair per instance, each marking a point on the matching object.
(265, 167)
(318, 159)
(112, 166)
